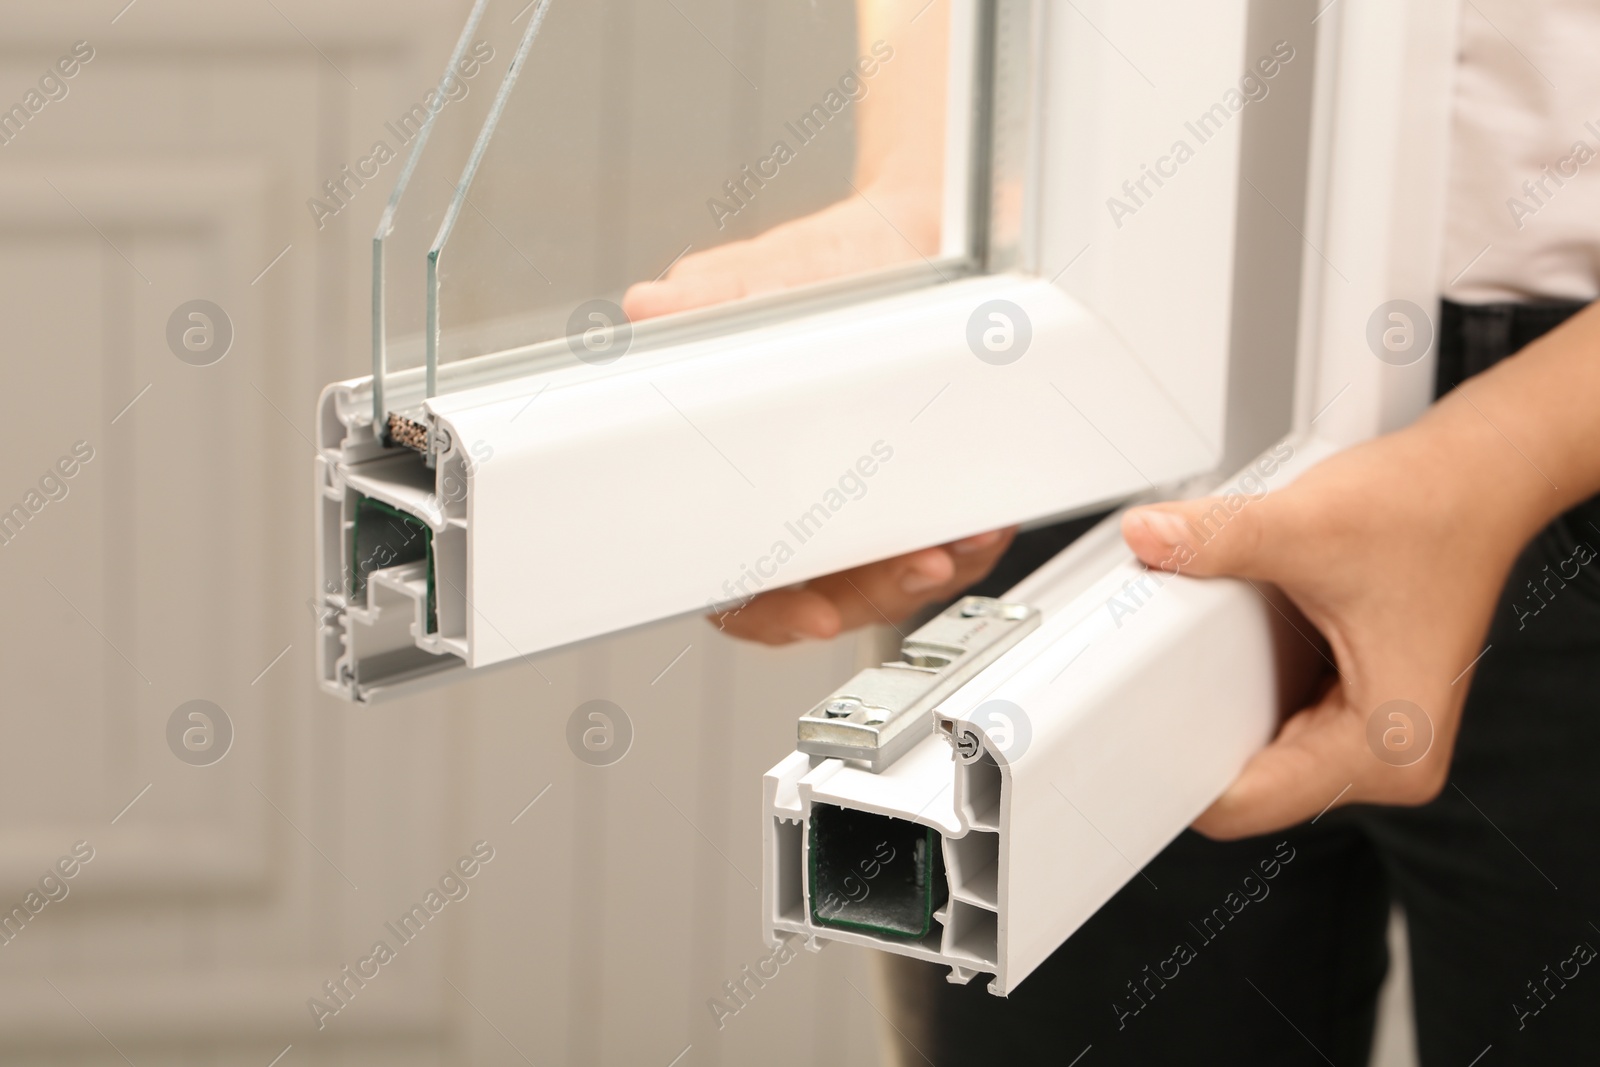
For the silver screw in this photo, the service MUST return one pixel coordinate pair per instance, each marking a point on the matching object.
(841, 709)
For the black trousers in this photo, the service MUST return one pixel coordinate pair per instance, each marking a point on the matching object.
(1272, 950)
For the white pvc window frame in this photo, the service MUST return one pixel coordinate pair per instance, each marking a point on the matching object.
(585, 500)
(1144, 694)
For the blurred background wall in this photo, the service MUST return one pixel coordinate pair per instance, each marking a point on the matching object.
(220, 898)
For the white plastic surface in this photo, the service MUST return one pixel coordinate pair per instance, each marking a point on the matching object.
(789, 453)
(1141, 697)
(600, 498)
(591, 499)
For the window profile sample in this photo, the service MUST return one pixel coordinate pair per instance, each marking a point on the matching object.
(580, 471)
(1046, 781)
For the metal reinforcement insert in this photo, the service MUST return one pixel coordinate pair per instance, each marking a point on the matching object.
(874, 873)
(880, 713)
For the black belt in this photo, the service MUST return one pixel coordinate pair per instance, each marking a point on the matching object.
(1474, 337)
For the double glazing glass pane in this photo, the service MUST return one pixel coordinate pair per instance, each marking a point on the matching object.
(594, 166)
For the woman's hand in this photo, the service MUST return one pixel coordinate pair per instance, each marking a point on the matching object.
(887, 591)
(1396, 551)
(880, 227)
(893, 212)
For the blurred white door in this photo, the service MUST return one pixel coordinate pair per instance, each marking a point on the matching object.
(224, 895)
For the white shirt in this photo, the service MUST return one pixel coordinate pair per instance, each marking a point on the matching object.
(1523, 216)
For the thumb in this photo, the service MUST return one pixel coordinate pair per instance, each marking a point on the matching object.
(1233, 535)
(1308, 767)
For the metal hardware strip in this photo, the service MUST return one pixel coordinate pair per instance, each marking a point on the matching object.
(878, 715)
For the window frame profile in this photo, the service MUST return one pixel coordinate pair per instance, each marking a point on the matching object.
(1141, 338)
(1141, 696)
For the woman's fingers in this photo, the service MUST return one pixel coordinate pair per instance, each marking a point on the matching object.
(699, 280)
(1311, 763)
(781, 617)
(1234, 535)
(888, 591)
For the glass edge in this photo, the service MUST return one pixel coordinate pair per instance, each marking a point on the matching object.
(1006, 140)
(386, 220)
(701, 324)
(481, 146)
